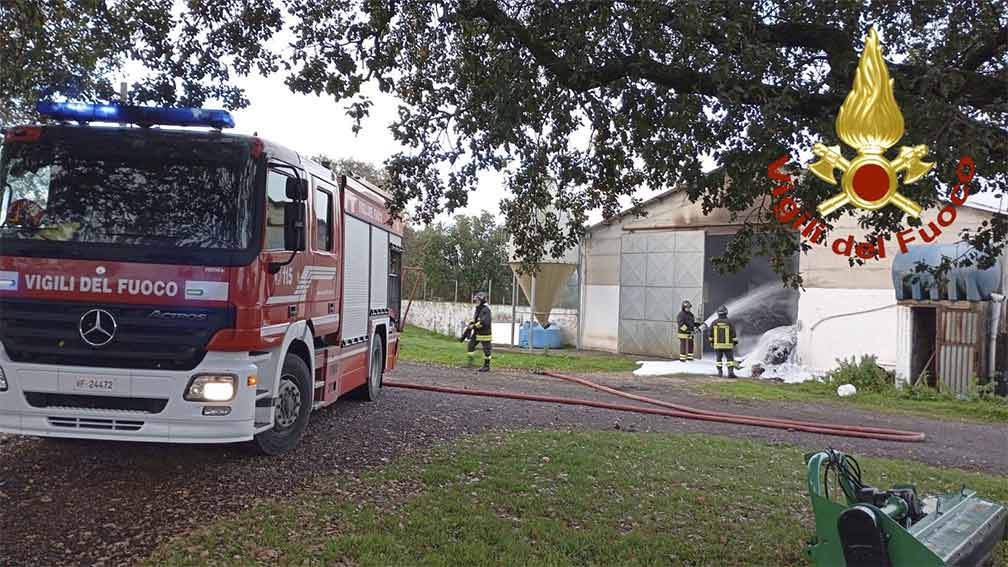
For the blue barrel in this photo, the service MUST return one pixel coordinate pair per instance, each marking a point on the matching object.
(550, 337)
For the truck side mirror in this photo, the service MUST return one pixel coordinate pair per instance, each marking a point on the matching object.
(297, 189)
(294, 225)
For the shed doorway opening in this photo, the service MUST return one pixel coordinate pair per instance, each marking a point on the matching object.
(925, 345)
(778, 309)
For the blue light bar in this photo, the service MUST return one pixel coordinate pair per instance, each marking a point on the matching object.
(142, 115)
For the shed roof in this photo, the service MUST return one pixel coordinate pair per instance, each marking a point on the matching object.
(988, 202)
(655, 199)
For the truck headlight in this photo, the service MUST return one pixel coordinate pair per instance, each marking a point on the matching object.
(211, 388)
(3, 380)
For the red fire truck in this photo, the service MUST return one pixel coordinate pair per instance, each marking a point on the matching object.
(185, 285)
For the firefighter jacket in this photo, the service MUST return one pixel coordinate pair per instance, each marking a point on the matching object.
(685, 323)
(722, 334)
(482, 323)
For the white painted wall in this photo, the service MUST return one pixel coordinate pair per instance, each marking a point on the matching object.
(821, 342)
(904, 343)
(601, 318)
(449, 318)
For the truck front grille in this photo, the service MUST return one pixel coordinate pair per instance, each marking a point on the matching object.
(47, 332)
(112, 403)
(95, 423)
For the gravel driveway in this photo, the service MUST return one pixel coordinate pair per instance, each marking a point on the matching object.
(86, 503)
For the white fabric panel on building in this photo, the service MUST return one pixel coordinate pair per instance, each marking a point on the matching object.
(690, 241)
(379, 268)
(661, 269)
(356, 278)
(631, 302)
(633, 266)
(661, 303)
(689, 270)
(661, 242)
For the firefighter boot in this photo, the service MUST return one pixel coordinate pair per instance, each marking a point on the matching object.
(486, 365)
(731, 367)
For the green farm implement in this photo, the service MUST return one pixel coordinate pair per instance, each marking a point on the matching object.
(895, 527)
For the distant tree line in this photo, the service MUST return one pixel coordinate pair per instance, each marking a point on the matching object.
(461, 258)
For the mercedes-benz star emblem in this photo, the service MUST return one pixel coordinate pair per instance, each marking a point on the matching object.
(97, 327)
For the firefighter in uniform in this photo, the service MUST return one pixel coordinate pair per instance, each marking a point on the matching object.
(481, 330)
(723, 338)
(685, 327)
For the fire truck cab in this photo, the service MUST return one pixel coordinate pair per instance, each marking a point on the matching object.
(187, 286)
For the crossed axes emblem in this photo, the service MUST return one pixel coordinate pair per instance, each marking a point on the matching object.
(869, 181)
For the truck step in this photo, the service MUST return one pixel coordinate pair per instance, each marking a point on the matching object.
(261, 394)
(262, 425)
(319, 384)
(322, 404)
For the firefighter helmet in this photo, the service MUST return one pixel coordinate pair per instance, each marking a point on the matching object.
(480, 297)
(722, 311)
(26, 213)
(686, 305)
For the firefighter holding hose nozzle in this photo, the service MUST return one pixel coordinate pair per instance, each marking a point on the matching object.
(723, 338)
(479, 330)
(685, 327)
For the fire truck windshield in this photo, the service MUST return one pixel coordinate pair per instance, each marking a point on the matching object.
(91, 189)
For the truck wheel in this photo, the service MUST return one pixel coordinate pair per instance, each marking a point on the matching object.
(370, 390)
(292, 410)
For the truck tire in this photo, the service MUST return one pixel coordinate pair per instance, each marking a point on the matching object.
(294, 393)
(370, 390)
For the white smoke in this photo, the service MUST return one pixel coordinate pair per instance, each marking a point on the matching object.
(766, 298)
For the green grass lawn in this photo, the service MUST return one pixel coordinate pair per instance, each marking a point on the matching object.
(552, 499)
(995, 410)
(421, 345)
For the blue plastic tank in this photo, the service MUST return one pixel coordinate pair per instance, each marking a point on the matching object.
(969, 283)
(550, 337)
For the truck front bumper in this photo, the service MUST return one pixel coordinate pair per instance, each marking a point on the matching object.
(138, 405)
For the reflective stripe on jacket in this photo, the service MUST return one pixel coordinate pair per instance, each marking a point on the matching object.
(722, 334)
(685, 323)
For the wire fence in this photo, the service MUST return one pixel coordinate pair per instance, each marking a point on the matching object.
(458, 291)
(500, 293)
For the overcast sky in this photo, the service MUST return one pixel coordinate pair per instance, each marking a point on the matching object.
(314, 125)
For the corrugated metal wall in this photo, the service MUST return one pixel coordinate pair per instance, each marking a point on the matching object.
(962, 339)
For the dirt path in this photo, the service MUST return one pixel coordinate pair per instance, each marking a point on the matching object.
(92, 503)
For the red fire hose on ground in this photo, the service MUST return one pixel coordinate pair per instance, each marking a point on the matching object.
(675, 410)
